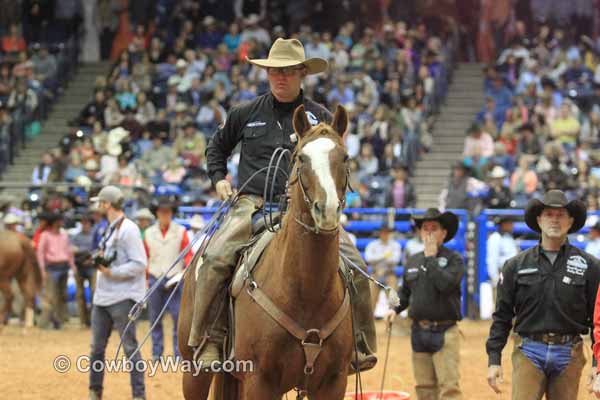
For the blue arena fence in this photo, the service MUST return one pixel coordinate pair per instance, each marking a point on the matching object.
(371, 221)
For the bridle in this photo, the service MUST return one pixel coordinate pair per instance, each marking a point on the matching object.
(309, 202)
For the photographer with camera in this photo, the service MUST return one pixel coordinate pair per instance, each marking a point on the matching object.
(121, 281)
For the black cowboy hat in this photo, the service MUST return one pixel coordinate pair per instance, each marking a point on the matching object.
(448, 220)
(556, 199)
(164, 202)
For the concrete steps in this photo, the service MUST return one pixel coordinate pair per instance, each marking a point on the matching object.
(465, 98)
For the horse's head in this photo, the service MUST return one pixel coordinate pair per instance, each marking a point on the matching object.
(321, 168)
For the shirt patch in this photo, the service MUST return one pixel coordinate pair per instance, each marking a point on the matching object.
(566, 279)
(312, 119)
(576, 265)
(410, 270)
(442, 262)
(255, 123)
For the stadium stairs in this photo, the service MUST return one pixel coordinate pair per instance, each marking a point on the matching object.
(465, 98)
(77, 94)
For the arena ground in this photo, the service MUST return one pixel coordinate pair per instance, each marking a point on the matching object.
(26, 366)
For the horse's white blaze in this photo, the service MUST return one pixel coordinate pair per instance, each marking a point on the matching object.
(318, 152)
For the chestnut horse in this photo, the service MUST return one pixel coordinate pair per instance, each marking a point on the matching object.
(299, 274)
(18, 260)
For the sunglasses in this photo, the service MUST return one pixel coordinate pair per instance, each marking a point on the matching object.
(286, 71)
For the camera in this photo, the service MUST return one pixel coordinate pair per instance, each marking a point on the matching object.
(99, 259)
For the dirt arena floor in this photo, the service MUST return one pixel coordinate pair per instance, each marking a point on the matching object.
(26, 366)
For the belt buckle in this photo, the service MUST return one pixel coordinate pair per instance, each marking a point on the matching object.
(425, 324)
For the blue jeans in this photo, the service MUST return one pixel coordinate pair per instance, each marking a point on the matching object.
(551, 359)
(103, 321)
(156, 302)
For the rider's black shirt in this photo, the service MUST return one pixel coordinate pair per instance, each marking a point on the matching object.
(261, 126)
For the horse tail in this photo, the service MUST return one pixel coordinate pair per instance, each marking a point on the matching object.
(226, 387)
(30, 262)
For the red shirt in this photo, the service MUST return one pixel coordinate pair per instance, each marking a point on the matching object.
(12, 45)
(596, 348)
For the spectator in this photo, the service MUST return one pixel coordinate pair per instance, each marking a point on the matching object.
(13, 42)
(83, 242)
(565, 128)
(528, 143)
(498, 195)
(523, 182)
(383, 255)
(593, 246)
(190, 145)
(401, 193)
(501, 246)
(42, 173)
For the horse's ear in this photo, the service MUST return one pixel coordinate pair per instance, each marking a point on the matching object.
(300, 121)
(340, 120)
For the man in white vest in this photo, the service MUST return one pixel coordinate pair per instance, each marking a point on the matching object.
(164, 241)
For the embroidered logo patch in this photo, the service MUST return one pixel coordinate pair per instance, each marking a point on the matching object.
(566, 279)
(576, 265)
(442, 262)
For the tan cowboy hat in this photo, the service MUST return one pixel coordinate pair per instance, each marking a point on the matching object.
(197, 222)
(556, 199)
(11, 219)
(288, 53)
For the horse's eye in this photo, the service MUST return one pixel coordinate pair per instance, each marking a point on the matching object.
(346, 158)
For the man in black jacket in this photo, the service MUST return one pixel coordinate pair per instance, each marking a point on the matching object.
(550, 291)
(261, 126)
(431, 288)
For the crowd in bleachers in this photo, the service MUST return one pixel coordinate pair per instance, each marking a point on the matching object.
(38, 52)
(150, 118)
(539, 127)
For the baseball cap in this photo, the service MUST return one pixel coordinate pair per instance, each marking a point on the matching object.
(110, 194)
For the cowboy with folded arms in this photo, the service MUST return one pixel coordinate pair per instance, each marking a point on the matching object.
(431, 286)
(261, 126)
(550, 291)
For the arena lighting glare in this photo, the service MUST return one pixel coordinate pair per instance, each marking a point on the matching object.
(79, 133)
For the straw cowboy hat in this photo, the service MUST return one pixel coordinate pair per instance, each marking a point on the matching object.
(289, 53)
(556, 199)
(447, 220)
(498, 172)
(144, 213)
(11, 219)
(197, 222)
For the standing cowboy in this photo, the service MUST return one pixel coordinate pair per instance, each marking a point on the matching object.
(164, 241)
(501, 246)
(549, 290)
(432, 289)
(261, 126)
(144, 219)
(83, 243)
(55, 257)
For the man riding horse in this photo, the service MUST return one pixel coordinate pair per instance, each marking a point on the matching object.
(263, 125)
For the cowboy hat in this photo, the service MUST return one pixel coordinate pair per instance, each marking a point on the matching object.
(114, 149)
(143, 213)
(91, 165)
(289, 53)
(163, 203)
(197, 222)
(448, 220)
(116, 135)
(498, 172)
(11, 219)
(555, 199)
